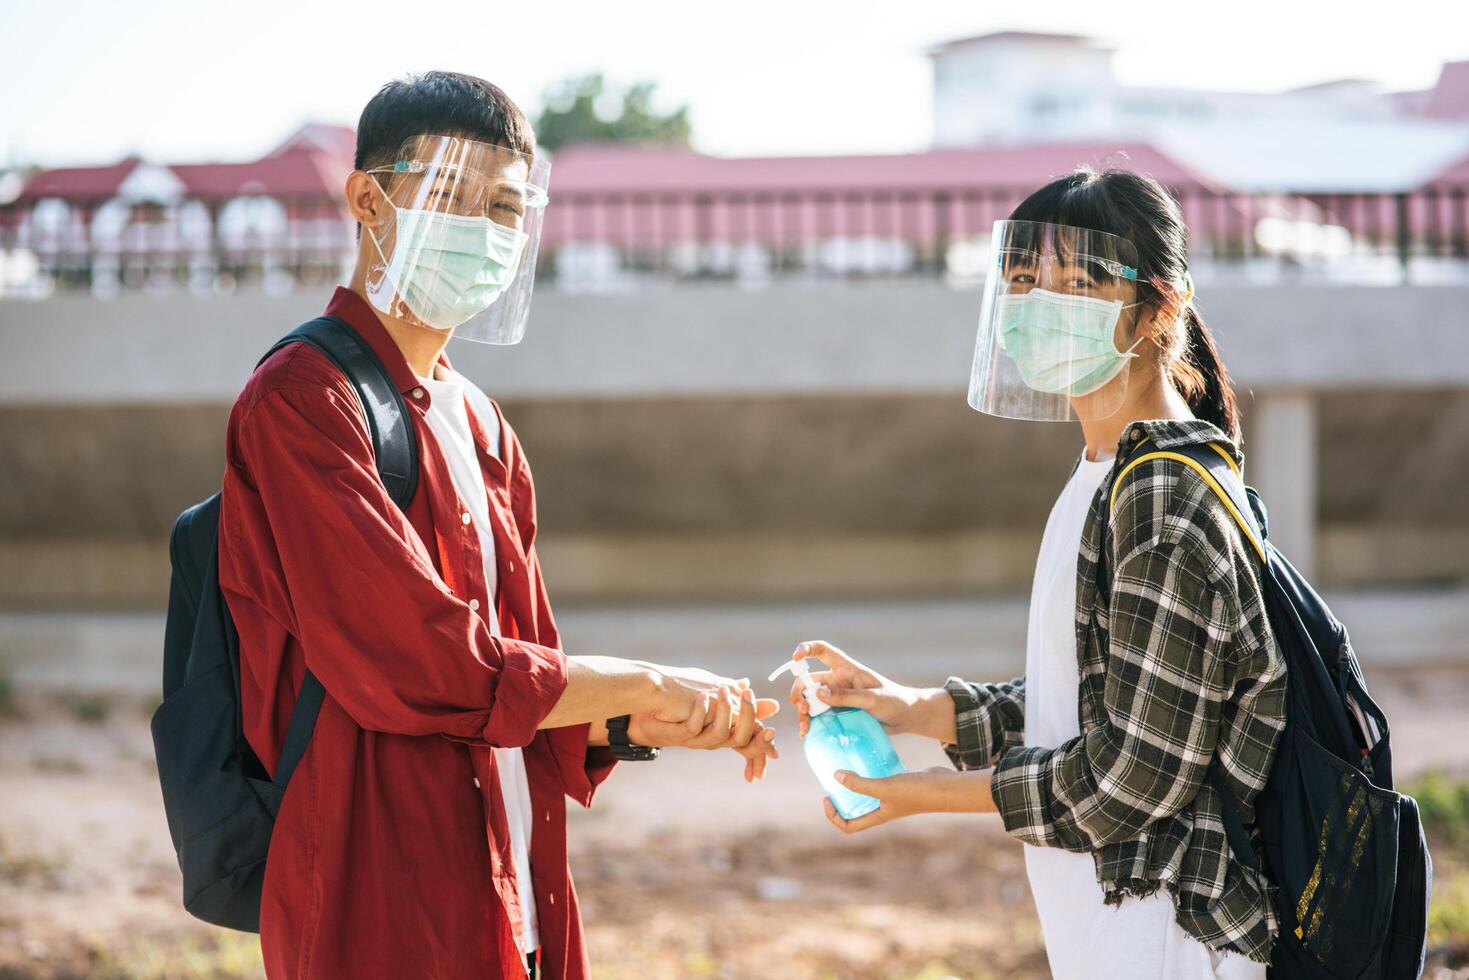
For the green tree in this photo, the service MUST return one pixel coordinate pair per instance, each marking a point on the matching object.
(587, 110)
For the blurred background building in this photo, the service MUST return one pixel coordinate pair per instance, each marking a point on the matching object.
(744, 375)
(742, 391)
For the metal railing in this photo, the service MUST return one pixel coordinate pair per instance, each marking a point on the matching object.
(617, 241)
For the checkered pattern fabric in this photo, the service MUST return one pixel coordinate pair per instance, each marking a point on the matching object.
(1178, 668)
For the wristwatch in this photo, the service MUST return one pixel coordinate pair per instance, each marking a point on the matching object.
(621, 748)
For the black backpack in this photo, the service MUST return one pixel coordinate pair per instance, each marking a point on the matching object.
(221, 803)
(1345, 853)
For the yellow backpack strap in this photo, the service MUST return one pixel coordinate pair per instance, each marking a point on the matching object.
(1224, 495)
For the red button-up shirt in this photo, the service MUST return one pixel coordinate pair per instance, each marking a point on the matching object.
(391, 856)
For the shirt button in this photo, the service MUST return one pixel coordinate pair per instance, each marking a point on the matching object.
(465, 517)
(476, 782)
(474, 604)
(1137, 435)
(417, 392)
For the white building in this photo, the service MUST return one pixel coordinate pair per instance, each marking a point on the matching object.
(1016, 87)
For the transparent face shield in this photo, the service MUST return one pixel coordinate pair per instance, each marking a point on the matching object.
(1056, 325)
(457, 249)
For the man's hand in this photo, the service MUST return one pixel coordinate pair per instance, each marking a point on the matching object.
(849, 684)
(735, 723)
(935, 790)
(692, 696)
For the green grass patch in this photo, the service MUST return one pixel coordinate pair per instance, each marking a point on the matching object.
(1443, 802)
(219, 955)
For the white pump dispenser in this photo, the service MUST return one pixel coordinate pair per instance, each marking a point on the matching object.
(803, 668)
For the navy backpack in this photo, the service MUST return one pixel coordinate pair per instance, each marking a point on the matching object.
(1345, 853)
(220, 801)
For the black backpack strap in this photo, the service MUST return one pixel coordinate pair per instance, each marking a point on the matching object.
(395, 450)
(393, 444)
(1219, 470)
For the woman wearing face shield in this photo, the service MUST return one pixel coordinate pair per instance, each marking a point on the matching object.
(1149, 657)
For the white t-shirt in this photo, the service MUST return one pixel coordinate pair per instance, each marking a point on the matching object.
(447, 418)
(1085, 938)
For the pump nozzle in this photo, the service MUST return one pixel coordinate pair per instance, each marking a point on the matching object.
(803, 669)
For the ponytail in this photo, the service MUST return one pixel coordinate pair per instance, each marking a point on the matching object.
(1203, 380)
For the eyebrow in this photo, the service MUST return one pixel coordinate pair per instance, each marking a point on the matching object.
(513, 190)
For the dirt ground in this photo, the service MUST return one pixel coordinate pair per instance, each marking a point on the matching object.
(683, 870)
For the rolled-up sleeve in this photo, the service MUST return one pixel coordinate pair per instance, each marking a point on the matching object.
(316, 541)
(988, 720)
(1169, 627)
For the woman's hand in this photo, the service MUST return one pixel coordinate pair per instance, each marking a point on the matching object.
(735, 723)
(849, 684)
(931, 791)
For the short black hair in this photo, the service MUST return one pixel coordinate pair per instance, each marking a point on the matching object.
(442, 103)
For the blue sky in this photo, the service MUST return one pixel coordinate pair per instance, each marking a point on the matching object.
(89, 81)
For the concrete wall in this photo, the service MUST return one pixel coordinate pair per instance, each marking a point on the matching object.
(722, 340)
(721, 444)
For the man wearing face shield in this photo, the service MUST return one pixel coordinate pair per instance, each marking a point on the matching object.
(423, 832)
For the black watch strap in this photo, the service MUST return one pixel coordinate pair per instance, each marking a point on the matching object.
(621, 748)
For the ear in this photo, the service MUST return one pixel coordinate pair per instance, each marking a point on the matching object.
(1170, 305)
(366, 200)
(1153, 327)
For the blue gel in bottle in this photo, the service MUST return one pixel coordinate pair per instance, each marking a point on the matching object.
(844, 738)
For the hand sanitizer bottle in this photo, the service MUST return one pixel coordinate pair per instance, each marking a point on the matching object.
(843, 738)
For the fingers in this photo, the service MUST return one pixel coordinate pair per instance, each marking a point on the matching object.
(876, 788)
(863, 822)
(823, 651)
(766, 708)
(803, 715)
(744, 726)
(848, 697)
(694, 723)
(718, 725)
(758, 755)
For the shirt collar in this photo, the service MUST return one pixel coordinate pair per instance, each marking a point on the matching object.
(355, 311)
(1171, 433)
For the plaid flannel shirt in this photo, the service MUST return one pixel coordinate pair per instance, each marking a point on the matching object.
(1178, 668)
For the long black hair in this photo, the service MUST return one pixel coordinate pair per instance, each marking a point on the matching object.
(1137, 208)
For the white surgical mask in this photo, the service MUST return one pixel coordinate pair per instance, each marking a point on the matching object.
(1062, 344)
(447, 268)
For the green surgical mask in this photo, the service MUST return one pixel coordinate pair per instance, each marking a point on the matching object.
(447, 267)
(1062, 344)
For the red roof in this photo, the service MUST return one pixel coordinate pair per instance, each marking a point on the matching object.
(296, 172)
(78, 183)
(617, 169)
(633, 195)
(338, 140)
